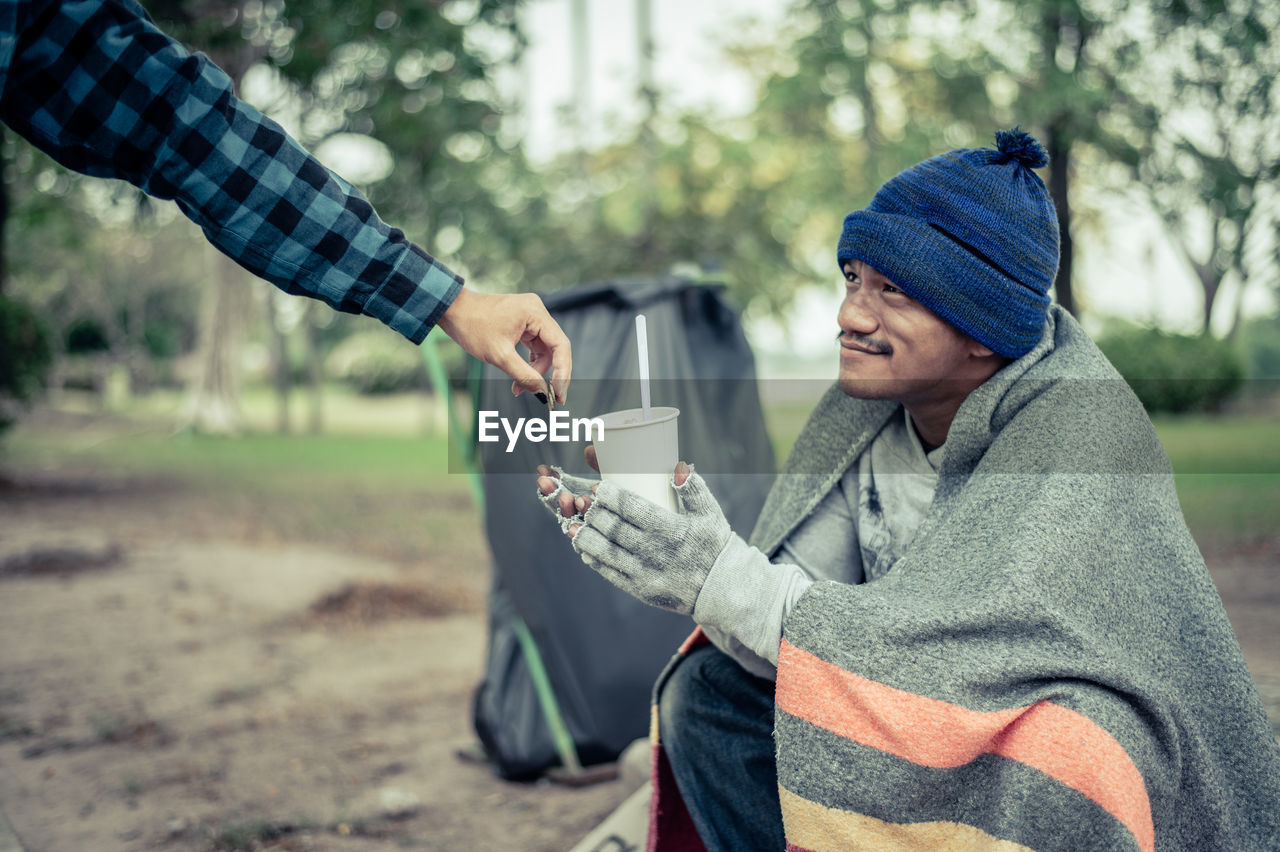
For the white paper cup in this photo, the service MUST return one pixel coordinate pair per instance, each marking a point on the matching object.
(640, 455)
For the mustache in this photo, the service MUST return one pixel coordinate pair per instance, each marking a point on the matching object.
(865, 342)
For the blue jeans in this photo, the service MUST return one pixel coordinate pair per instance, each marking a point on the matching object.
(717, 728)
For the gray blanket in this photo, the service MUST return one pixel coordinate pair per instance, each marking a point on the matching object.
(1049, 666)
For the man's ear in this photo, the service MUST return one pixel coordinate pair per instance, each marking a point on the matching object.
(987, 357)
(977, 350)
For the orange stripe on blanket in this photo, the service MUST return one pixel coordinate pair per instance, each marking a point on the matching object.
(693, 640)
(1065, 745)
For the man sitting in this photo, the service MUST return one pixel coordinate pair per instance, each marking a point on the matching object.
(971, 614)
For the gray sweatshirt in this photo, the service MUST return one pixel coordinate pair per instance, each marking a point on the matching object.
(860, 529)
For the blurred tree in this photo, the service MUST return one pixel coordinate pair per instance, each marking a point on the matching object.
(702, 203)
(221, 29)
(868, 88)
(748, 201)
(45, 231)
(413, 76)
(1175, 373)
(1181, 95)
(87, 257)
(888, 83)
(26, 351)
(1212, 165)
(1259, 342)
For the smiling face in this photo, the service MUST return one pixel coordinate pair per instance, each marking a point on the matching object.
(893, 347)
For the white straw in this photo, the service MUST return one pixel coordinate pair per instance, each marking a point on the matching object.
(642, 342)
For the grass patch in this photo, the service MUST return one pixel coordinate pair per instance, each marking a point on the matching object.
(250, 835)
(1230, 510)
(390, 496)
(1221, 445)
(275, 463)
(1227, 472)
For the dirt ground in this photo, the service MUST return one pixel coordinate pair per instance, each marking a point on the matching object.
(169, 682)
(172, 679)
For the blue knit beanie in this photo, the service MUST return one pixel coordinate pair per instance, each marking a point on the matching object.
(972, 235)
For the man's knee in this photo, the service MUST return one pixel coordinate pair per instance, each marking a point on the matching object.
(709, 693)
(675, 702)
(716, 722)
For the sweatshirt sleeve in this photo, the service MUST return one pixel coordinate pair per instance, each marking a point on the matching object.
(748, 596)
(743, 603)
(99, 88)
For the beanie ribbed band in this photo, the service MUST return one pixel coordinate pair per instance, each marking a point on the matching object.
(972, 235)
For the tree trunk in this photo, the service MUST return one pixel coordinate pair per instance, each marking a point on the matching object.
(581, 67)
(137, 360)
(1210, 283)
(1059, 148)
(213, 401)
(315, 371)
(213, 404)
(113, 382)
(282, 378)
(645, 51)
(1237, 316)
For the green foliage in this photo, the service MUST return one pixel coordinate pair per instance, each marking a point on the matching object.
(1182, 96)
(704, 202)
(164, 339)
(248, 836)
(411, 75)
(84, 336)
(25, 356)
(1212, 444)
(1175, 373)
(1260, 346)
(373, 362)
(870, 87)
(1211, 163)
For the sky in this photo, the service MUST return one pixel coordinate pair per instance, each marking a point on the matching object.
(689, 68)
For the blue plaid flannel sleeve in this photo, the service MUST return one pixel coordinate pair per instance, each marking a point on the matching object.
(99, 88)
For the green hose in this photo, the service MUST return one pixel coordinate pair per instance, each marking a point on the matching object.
(560, 735)
(440, 384)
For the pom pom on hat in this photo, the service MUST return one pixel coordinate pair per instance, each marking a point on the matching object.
(1020, 146)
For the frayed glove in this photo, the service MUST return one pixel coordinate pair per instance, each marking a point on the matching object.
(658, 556)
(575, 486)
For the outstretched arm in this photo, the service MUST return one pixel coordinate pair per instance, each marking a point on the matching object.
(97, 86)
